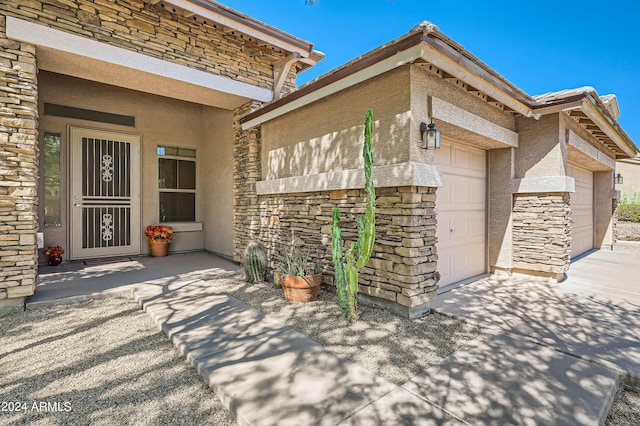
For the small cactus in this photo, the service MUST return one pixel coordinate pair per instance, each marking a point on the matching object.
(255, 262)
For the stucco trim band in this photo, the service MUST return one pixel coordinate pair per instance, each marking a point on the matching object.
(585, 147)
(443, 110)
(544, 184)
(51, 38)
(402, 174)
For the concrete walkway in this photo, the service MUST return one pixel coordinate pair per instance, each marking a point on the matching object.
(577, 317)
(533, 367)
(95, 278)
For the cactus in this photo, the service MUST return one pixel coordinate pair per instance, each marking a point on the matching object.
(357, 256)
(255, 262)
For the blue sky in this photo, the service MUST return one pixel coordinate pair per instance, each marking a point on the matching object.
(539, 46)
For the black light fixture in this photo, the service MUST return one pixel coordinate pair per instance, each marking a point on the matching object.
(619, 179)
(430, 136)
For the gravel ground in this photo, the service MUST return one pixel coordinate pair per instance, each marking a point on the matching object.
(386, 344)
(628, 231)
(102, 362)
(109, 362)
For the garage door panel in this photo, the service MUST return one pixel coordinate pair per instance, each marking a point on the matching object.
(456, 267)
(461, 210)
(581, 211)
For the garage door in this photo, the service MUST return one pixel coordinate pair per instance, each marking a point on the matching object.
(461, 212)
(581, 211)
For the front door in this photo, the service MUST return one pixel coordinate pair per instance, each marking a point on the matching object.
(105, 193)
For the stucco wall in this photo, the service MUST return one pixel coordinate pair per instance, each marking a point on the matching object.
(477, 113)
(217, 184)
(159, 121)
(499, 235)
(631, 174)
(327, 135)
(541, 151)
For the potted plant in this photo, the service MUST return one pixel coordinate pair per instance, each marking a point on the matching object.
(300, 278)
(159, 237)
(55, 253)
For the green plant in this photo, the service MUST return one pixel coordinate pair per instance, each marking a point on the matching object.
(297, 263)
(255, 262)
(629, 212)
(634, 199)
(357, 256)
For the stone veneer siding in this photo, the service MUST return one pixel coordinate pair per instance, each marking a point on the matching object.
(401, 274)
(542, 232)
(18, 168)
(157, 31)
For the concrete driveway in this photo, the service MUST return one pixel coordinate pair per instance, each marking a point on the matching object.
(593, 315)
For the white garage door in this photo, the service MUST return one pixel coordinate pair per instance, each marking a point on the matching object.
(581, 211)
(461, 212)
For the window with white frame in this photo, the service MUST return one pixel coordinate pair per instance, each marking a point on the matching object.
(177, 184)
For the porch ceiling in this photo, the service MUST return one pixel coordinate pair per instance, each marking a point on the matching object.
(80, 57)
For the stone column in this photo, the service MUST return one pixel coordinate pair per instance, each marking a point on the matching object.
(18, 170)
(247, 170)
(542, 233)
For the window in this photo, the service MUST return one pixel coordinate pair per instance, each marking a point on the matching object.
(52, 178)
(177, 184)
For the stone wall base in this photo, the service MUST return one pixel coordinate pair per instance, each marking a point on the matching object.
(553, 277)
(411, 312)
(401, 273)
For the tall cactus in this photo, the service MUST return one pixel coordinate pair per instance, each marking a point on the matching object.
(255, 262)
(357, 256)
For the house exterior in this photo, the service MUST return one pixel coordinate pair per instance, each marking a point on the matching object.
(121, 114)
(118, 115)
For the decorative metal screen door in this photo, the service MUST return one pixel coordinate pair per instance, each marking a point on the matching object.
(105, 193)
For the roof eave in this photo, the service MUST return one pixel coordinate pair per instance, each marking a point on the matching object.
(591, 105)
(425, 43)
(235, 20)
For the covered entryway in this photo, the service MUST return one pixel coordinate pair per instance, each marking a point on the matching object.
(105, 191)
(581, 210)
(461, 204)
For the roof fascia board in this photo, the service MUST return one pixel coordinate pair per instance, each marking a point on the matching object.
(245, 25)
(377, 68)
(44, 36)
(552, 109)
(599, 119)
(472, 75)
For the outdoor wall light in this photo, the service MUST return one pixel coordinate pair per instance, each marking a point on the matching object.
(430, 136)
(619, 179)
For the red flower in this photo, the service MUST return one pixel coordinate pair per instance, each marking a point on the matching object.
(54, 250)
(159, 232)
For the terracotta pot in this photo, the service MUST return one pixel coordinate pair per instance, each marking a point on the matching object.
(301, 289)
(159, 248)
(55, 260)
